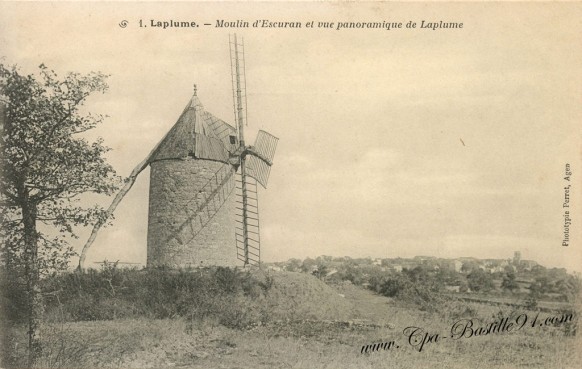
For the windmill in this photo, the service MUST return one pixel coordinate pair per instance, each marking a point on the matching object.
(204, 180)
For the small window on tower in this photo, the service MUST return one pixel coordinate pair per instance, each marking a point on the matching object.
(232, 140)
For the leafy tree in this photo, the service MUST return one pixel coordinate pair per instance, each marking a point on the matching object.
(462, 283)
(540, 285)
(480, 281)
(538, 271)
(420, 273)
(570, 287)
(321, 270)
(509, 269)
(308, 265)
(509, 282)
(324, 259)
(394, 285)
(447, 276)
(469, 266)
(293, 265)
(45, 165)
(349, 271)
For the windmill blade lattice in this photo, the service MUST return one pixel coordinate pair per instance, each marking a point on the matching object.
(239, 82)
(259, 166)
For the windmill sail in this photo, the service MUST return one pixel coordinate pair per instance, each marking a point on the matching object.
(239, 82)
(258, 164)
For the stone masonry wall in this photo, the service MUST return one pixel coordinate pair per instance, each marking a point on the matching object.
(174, 195)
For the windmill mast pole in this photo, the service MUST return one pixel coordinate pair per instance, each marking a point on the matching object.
(239, 108)
(239, 105)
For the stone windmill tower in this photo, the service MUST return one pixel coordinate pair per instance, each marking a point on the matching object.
(203, 204)
(191, 202)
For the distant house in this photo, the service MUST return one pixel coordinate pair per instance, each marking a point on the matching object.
(331, 272)
(512, 268)
(528, 264)
(497, 269)
(457, 264)
(423, 258)
(454, 265)
(468, 258)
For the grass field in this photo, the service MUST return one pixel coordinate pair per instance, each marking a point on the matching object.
(320, 342)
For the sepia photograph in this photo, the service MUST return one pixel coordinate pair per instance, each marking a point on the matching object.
(290, 184)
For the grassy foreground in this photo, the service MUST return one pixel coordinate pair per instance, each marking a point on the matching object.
(180, 343)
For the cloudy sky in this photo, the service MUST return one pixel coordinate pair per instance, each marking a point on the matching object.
(399, 142)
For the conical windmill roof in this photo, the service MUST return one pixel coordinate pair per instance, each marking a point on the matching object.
(198, 134)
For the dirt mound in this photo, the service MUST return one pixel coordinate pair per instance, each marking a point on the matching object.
(299, 296)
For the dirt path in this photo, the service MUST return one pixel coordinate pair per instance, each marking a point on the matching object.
(368, 305)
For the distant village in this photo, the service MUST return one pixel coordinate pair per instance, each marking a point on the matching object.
(461, 264)
(514, 276)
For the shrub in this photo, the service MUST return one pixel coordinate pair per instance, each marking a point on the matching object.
(395, 286)
(226, 295)
(414, 286)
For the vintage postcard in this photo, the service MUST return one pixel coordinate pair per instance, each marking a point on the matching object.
(290, 184)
